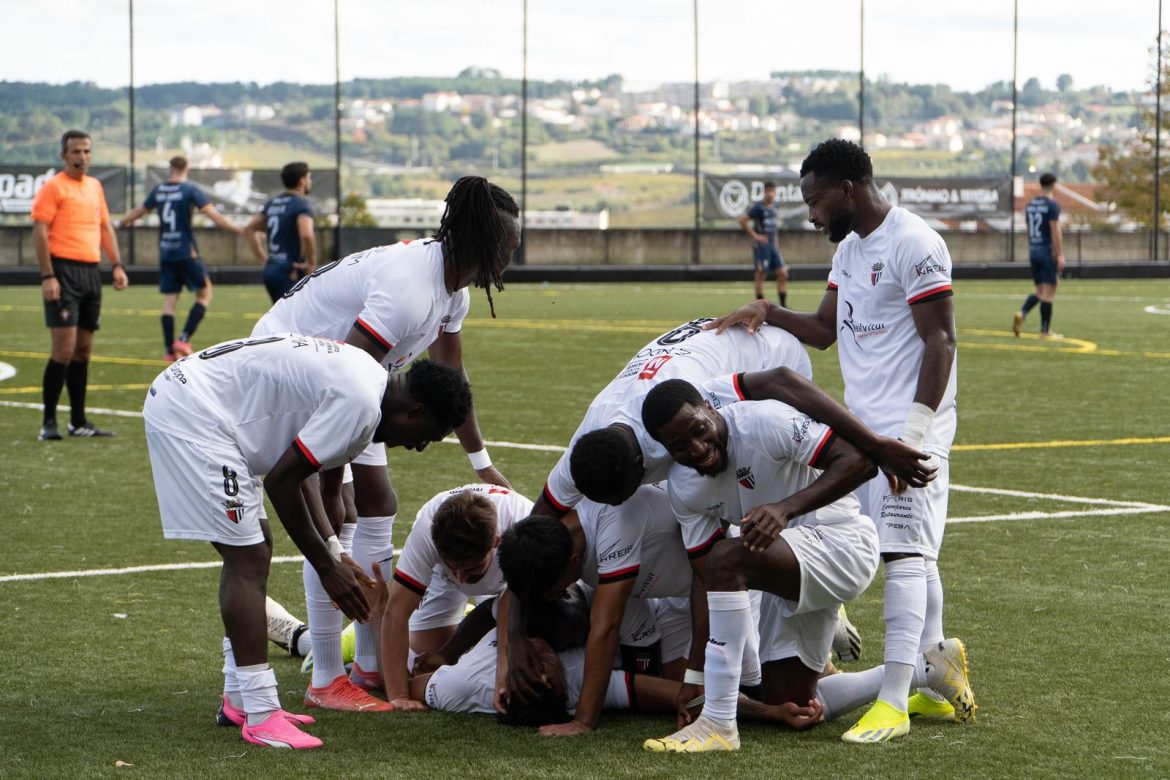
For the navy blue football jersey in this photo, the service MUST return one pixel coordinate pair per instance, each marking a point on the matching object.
(175, 202)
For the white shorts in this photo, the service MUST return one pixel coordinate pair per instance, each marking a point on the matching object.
(639, 624)
(837, 564)
(914, 521)
(674, 627)
(372, 455)
(442, 605)
(205, 491)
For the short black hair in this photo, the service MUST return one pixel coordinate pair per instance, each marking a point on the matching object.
(68, 136)
(562, 622)
(533, 555)
(601, 460)
(1047, 180)
(662, 403)
(293, 173)
(551, 703)
(442, 390)
(838, 160)
(178, 163)
(464, 526)
(769, 185)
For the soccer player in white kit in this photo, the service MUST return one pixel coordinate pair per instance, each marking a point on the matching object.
(889, 307)
(281, 408)
(450, 554)
(396, 302)
(632, 551)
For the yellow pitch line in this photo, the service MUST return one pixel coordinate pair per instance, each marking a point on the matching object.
(123, 361)
(1040, 445)
(30, 390)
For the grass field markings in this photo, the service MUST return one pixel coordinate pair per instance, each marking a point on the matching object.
(34, 389)
(1077, 346)
(7, 371)
(1051, 496)
(1159, 308)
(57, 575)
(1026, 445)
(1038, 515)
(122, 361)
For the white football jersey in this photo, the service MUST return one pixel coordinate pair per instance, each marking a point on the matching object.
(267, 393)
(639, 539)
(876, 279)
(771, 452)
(706, 360)
(396, 295)
(420, 562)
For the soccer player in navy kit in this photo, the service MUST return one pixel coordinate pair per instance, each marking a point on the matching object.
(765, 253)
(178, 252)
(1046, 253)
(287, 220)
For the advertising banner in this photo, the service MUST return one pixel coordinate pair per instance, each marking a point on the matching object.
(19, 184)
(245, 191)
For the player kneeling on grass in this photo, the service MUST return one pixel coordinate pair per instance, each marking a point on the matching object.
(283, 407)
(786, 480)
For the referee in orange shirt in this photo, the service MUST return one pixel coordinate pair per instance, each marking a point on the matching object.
(71, 224)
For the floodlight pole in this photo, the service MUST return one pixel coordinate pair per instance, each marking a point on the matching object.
(1158, 139)
(1015, 102)
(129, 196)
(861, 81)
(522, 251)
(695, 232)
(337, 123)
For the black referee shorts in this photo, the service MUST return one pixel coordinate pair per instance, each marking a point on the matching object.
(80, 304)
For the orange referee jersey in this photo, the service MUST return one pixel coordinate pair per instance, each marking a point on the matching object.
(75, 212)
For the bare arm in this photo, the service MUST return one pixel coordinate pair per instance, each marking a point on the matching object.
(1057, 243)
(901, 461)
(132, 216)
(448, 349)
(700, 632)
(308, 244)
(110, 244)
(544, 508)
(743, 224)
(220, 220)
(395, 645)
(935, 322)
(50, 287)
(817, 329)
(605, 620)
(254, 233)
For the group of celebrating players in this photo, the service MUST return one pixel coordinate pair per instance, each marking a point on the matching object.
(690, 552)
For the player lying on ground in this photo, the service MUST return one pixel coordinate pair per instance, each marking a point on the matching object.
(281, 408)
(395, 302)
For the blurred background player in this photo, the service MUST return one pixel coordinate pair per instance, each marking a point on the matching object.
(889, 307)
(1046, 255)
(71, 226)
(396, 302)
(760, 223)
(282, 408)
(178, 253)
(281, 235)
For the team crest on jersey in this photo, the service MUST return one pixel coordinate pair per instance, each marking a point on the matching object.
(875, 273)
(800, 429)
(745, 478)
(234, 509)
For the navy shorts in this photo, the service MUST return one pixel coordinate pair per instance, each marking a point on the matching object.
(173, 275)
(1043, 267)
(278, 279)
(767, 257)
(80, 304)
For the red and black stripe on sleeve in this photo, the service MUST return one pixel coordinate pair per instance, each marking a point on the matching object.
(408, 582)
(703, 548)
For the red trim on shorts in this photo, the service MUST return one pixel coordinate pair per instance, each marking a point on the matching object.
(300, 445)
(829, 434)
(548, 496)
(408, 582)
(940, 289)
(369, 331)
(619, 575)
(705, 547)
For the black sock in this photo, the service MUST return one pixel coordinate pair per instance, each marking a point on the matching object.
(784, 300)
(168, 326)
(194, 317)
(1029, 303)
(51, 388)
(759, 297)
(76, 379)
(1045, 316)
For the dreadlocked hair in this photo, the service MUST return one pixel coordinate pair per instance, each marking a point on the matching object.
(473, 229)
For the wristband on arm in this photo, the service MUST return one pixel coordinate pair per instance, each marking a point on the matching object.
(917, 421)
(480, 459)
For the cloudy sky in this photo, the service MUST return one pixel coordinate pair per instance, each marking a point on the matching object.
(963, 43)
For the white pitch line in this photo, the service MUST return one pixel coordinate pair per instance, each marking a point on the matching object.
(98, 410)
(58, 575)
(1049, 496)
(1127, 510)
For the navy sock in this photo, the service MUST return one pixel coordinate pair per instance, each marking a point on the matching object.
(1029, 304)
(51, 387)
(1045, 316)
(194, 317)
(168, 326)
(76, 379)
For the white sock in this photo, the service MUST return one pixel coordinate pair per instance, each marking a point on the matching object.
(231, 683)
(730, 621)
(932, 631)
(751, 672)
(258, 689)
(345, 537)
(905, 616)
(304, 643)
(325, 623)
(846, 691)
(371, 544)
